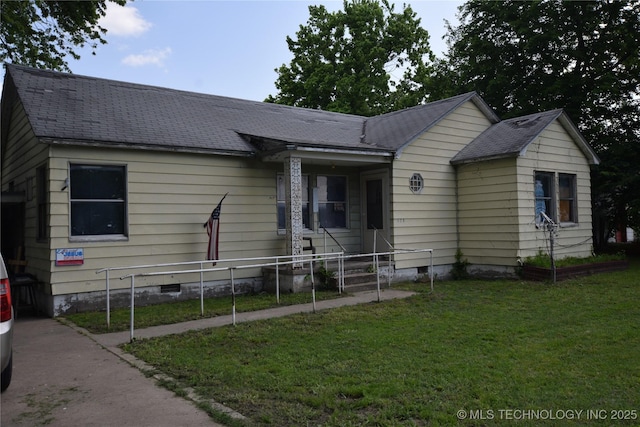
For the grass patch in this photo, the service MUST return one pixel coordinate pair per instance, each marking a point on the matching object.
(542, 260)
(182, 311)
(470, 345)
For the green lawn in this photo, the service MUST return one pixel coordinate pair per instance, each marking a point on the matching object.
(510, 352)
(183, 311)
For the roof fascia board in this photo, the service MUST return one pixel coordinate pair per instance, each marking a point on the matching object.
(146, 147)
(8, 102)
(485, 108)
(330, 155)
(485, 159)
(523, 151)
(575, 134)
(582, 143)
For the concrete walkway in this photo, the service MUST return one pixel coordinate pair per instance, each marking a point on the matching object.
(65, 376)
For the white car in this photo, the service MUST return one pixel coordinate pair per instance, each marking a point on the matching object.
(6, 328)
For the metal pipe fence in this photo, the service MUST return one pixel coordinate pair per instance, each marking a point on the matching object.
(278, 261)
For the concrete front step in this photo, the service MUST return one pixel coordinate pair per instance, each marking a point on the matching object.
(359, 275)
(357, 278)
(366, 286)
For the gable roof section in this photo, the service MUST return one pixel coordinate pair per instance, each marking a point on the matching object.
(399, 128)
(69, 109)
(510, 138)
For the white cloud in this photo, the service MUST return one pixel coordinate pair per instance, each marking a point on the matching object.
(123, 21)
(149, 57)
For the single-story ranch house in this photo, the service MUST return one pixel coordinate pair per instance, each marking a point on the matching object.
(99, 173)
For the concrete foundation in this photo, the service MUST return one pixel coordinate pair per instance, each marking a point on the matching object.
(96, 301)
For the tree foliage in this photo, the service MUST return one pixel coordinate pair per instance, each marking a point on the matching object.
(43, 34)
(524, 57)
(366, 59)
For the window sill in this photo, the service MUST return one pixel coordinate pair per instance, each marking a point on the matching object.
(114, 238)
(568, 224)
(306, 231)
(336, 230)
(283, 232)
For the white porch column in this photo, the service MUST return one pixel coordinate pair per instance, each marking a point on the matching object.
(293, 206)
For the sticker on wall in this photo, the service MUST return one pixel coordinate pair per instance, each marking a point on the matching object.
(70, 256)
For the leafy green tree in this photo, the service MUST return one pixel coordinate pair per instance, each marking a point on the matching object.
(524, 57)
(42, 33)
(366, 59)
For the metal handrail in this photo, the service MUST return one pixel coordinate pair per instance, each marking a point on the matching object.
(375, 248)
(202, 270)
(383, 238)
(332, 238)
(295, 259)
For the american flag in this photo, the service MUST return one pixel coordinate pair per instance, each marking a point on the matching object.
(213, 228)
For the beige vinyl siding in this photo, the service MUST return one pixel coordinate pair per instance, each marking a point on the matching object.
(170, 197)
(428, 220)
(488, 212)
(554, 151)
(22, 155)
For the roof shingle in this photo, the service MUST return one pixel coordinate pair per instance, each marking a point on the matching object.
(507, 138)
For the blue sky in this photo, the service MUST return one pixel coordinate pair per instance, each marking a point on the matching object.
(228, 48)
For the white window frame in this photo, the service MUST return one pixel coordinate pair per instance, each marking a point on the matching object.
(555, 200)
(280, 200)
(124, 201)
(570, 200)
(345, 202)
(416, 183)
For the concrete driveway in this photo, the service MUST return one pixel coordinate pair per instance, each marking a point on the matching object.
(64, 378)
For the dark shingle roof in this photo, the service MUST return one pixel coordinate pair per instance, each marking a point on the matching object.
(510, 138)
(71, 108)
(507, 138)
(401, 127)
(68, 108)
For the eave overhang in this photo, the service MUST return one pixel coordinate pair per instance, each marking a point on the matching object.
(143, 146)
(327, 156)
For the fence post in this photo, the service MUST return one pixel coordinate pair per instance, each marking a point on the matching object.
(278, 280)
(233, 297)
(131, 320)
(201, 289)
(377, 266)
(313, 286)
(342, 271)
(108, 302)
(431, 268)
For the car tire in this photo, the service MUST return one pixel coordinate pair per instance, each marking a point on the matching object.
(5, 377)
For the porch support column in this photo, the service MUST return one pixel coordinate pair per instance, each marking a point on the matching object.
(293, 206)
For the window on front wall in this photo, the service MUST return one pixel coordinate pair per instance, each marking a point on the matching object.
(544, 191)
(98, 200)
(567, 197)
(560, 206)
(281, 197)
(332, 201)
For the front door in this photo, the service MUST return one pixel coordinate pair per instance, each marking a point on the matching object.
(375, 228)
